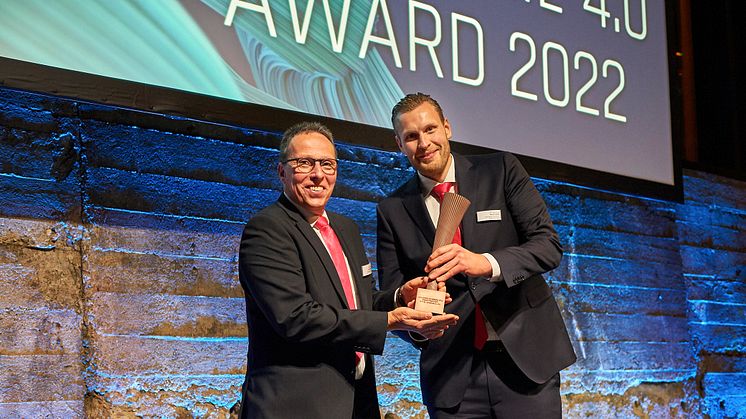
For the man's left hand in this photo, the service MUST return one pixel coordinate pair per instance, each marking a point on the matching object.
(409, 290)
(452, 259)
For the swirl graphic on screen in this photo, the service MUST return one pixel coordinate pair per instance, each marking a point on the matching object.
(162, 43)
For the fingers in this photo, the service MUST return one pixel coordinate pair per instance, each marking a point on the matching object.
(438, 322)
(446, 271)
(450, 260)
(446, 262)
(449, 319)
(419, 282)
(425, 324)
(436, 327)
(440, 256)
(413, 314)
(434, 334)
(409, 289)
(405, 318)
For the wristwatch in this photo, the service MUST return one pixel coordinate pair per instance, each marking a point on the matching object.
(399, 298)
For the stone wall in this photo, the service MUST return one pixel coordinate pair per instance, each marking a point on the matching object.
(119, 231)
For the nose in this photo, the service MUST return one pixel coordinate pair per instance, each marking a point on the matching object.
(423, 142)
(316, 172)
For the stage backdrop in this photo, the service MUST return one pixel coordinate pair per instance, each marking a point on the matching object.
(584, 84)
(119, 232)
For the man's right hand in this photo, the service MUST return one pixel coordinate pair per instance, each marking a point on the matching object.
(452, 259)
(428, 325)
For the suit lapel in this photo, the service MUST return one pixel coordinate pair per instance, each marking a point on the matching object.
(467, 184)
(318, 246)
(415, 207)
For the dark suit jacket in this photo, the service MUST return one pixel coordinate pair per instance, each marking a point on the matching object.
(525, 245)
(302, 336)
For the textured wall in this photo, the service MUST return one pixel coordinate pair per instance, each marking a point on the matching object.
(712, 234)
(118, 239)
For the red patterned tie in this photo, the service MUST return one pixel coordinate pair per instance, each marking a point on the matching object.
(480, 330)
(338, 257)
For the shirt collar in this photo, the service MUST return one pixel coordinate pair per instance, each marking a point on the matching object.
(303, 212)
(427, 184)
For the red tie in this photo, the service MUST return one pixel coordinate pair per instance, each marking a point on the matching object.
(480, 330)
(338, 257)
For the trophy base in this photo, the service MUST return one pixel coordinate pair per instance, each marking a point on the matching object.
(430, 301)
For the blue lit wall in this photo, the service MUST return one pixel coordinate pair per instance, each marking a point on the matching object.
(118, 238)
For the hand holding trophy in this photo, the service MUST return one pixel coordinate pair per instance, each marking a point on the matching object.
(452, 210)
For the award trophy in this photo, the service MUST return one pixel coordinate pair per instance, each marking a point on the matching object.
(452, 210)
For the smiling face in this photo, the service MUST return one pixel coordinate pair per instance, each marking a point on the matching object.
(424, 138)
(309, 191)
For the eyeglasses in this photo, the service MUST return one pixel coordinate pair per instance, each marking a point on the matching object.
(306, 165)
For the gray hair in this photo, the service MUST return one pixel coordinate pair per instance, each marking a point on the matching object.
(303, 128)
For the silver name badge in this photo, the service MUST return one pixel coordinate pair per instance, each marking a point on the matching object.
(489, 215)
(367, 270)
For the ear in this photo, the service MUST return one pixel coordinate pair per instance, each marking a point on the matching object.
(281, 171)
(398, 141)
(447, 127)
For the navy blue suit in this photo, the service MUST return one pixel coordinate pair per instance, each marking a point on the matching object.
(521, 308)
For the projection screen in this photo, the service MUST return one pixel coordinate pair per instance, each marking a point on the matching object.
(582, 83)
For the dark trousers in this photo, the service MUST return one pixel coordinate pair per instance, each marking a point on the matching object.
(366, 398)
(498, 389)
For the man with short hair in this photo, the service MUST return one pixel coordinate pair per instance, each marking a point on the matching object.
(502, 360)
(309, 296)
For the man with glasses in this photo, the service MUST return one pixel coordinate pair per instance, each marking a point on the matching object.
(310, 296)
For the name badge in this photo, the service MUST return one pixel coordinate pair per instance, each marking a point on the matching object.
(367, 270)
(489, 215)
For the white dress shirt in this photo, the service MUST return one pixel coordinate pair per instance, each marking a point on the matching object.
(360, 368)
(433, 208)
